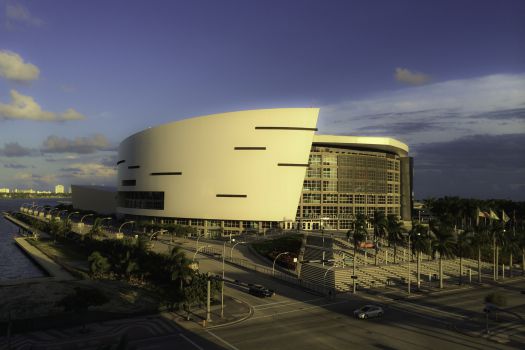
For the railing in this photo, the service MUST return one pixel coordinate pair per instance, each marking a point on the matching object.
(246, 264)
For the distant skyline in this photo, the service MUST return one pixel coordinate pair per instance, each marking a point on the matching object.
(446, 77)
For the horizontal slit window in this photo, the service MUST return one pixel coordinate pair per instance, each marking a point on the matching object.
(293, 164)
(129, 182)
(284, 128)
(120, 162)
(167, 173)
(133, 166)
(249, 148)
(232, 195)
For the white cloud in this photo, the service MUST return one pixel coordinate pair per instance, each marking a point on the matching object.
(413, 78)
(13, 67)
(90, 170)
(83, 145)
(17, 13)
(493, 104)
(25, 107)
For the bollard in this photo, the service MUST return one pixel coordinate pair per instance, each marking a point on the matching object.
(470, 275)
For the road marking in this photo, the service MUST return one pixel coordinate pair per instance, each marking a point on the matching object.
(283, 303)
(420, 315)
(420, 306)
(301, 309)
(222, 340)
(190, 341)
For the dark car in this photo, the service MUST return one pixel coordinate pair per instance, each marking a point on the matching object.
(260, 291)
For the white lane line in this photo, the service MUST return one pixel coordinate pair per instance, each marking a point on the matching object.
(298, 310)
(420, 315)
(190, 341)
(284, 303)
(222, 340)
(431, 309)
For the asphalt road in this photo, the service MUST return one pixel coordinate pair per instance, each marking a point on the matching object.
(297, 319)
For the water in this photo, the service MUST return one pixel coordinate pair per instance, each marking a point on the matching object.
(14, 264)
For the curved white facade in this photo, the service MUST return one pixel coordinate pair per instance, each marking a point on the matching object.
(246, 165)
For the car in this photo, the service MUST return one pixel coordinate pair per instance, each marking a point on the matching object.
(368, 311)
(260, 291)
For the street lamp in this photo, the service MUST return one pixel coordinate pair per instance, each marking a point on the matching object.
(326, 272)
(222, 282)
(82, 219)
(231, 250)
(275, 260)
(60, 213)
(200, 248)
(119, 234)
(102, 220)
(69, 215)
(408, 265)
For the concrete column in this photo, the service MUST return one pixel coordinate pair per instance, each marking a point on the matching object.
(406, 168)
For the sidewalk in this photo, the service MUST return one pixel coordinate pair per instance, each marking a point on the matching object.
(135, 329)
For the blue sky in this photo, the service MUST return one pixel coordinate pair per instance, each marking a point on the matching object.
(447, 77)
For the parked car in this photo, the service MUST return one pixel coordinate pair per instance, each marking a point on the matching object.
(368, 311)
(260, 291)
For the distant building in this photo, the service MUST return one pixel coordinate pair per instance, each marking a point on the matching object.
(4, 190)
(59, 189)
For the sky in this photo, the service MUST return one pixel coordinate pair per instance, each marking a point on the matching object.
(446, 77)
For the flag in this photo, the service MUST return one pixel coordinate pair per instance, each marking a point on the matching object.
(493, 215)
(482, 214)
(504, 217)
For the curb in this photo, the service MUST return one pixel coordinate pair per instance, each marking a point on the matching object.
(250, 314)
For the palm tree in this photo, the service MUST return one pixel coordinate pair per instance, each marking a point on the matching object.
(478, 239)
(179, 266)
(380, 229)
(443, 244)
(394, 232)
(358, 235)
(420, 239)
(498, 239)
(463, 246)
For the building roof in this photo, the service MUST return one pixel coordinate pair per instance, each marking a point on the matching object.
(386, 144)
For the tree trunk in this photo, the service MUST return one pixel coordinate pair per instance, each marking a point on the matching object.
(440, 272)
(497, 262)
(460, 269)
(418, 270)
(494, 266)
(523, 261)
(395, 252)
(353, 273)
(510, 265)
(479, 264)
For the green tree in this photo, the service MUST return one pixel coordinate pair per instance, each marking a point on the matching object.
(420, 244)
(394, 233)
(443, 244)
(358, 235)
(463, 246)
(98, 265)
(380, 224)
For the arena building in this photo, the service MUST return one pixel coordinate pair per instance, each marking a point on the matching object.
(256, 170)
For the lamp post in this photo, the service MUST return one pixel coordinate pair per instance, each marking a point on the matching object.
(326, 272)
(119, 233)
(231, 250)
(200, 248)
(222, 282)
(69, 215)
(49, 213)
(408, 265)
(82, 219)
(102, 220)
(275, 260)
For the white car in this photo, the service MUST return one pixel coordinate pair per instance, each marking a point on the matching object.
(368, 311)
